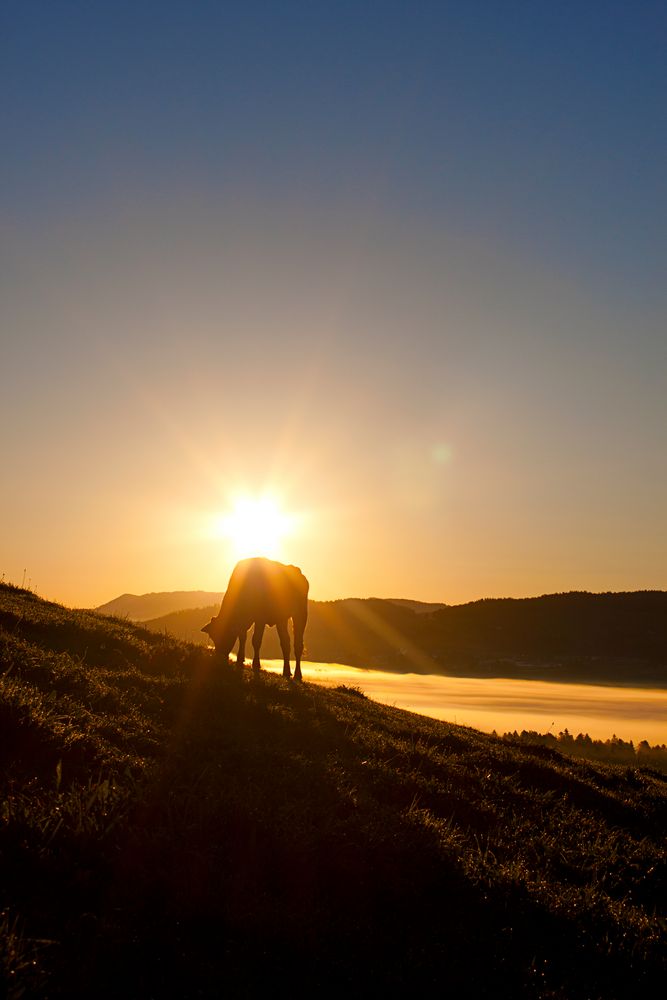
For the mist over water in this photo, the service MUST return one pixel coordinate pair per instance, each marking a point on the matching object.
(505, 705)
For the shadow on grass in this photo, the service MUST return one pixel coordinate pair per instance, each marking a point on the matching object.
(271, 844)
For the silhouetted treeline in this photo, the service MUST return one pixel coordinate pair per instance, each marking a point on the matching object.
(608, 638)
(625, 625)
(612, 751)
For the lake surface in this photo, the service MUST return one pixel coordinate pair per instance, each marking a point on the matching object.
(506, 704)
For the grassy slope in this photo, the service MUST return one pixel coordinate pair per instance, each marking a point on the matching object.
(170, 827)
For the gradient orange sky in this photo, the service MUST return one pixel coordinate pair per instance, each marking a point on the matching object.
(405, 276)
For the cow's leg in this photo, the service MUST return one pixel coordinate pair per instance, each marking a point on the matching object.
(283, 635)
(240, 656)
(257, 635)
(299, 623)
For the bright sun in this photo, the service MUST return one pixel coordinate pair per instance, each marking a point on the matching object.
(255, 526)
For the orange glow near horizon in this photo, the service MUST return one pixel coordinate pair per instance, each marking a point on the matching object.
(450, 473)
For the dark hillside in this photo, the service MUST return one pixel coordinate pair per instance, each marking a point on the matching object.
(599, 638)
(631, 625)
(173, 827)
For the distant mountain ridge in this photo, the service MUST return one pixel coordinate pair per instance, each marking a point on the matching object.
(145, 607)
(419, 607)
(142, 607)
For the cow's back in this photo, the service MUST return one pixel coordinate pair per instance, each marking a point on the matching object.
(266, 591)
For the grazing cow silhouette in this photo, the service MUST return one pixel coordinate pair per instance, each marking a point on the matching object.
(262, 592)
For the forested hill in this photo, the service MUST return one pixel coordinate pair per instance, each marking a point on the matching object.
(171, 827)
(610, 638)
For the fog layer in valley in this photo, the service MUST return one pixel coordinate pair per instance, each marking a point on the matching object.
(505, 705)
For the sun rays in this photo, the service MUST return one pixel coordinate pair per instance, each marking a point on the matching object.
(256, 526)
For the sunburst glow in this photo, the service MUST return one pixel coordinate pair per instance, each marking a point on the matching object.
(256, 526)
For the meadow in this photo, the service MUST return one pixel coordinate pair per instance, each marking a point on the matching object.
(171, 826)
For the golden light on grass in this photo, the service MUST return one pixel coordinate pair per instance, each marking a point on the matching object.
(256, 526)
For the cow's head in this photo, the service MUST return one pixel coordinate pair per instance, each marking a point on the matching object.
(222, 638)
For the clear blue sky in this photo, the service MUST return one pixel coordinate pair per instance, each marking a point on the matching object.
(402, 264)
